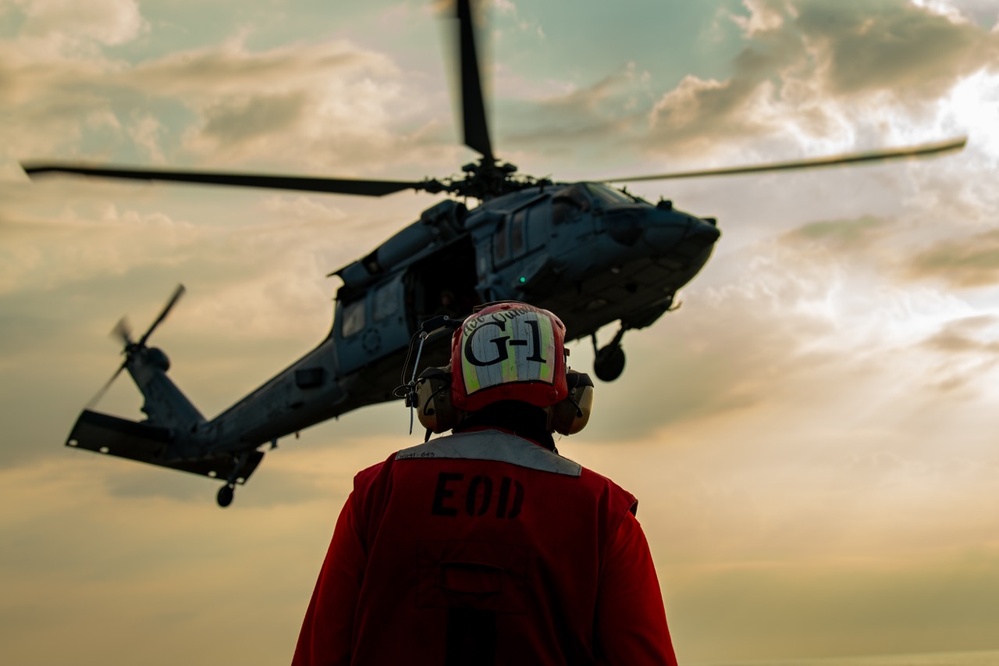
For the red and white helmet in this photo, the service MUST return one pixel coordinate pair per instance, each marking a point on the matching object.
(508, 351)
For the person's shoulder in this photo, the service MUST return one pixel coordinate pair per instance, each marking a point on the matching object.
(618, 497)
(367, 475)
(493, 444)
(468, 439)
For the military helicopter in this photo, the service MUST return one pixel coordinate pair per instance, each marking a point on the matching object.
(587, 251)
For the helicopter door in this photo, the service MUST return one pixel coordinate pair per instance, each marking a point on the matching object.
(537, 226)
(443, 283)
(372, 326)
(514, 246)
(519, 233)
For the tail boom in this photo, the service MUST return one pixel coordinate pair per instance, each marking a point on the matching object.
(142, 442)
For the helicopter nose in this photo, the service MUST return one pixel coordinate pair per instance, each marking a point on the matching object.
(670, 231)
(661, 230)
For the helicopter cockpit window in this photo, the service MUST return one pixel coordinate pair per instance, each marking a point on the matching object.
(608, 195)
(353, 318)
(568, 203)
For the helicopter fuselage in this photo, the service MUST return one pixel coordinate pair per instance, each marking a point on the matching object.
(589, 253)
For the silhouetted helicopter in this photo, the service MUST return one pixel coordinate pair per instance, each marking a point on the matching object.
(589, 252)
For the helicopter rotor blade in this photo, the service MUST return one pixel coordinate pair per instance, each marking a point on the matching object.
(177, 293)
(922, 150)
(472, 100)
(369, 188)
(104, 389)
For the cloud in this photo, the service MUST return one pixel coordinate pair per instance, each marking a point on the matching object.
(763, 16)
(915, 55)
(588, 121)
(980, 12)
(965, 262)
(960, 335)
(232, 68)
(840, 235)
(329, 104)
(106, 241)
(107, 22)
(47, 102)
(234, 124)
(333, 97)
(819, 69)
(145, 132)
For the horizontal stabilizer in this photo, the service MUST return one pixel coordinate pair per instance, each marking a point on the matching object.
(114, 436)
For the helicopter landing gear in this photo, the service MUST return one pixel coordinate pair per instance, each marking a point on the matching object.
(226, 492)
(224, 498)
(609, 361)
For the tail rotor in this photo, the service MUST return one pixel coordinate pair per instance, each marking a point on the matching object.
(122, 331)
(177, 293)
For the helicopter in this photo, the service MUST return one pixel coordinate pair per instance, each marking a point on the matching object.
(587, 251)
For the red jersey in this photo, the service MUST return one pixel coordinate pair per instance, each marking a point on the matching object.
(485, 548)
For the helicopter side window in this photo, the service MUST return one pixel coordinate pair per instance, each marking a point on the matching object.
(353, 318)
(501, 251)
(518, 240)
(537, 225)
(385, 302)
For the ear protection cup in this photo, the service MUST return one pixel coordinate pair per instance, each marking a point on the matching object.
(433, 400)
(571, 414)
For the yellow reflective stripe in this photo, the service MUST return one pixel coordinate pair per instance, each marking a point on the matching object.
(468, 372)
(547, 335)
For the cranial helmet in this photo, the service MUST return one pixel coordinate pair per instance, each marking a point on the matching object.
(506, 351)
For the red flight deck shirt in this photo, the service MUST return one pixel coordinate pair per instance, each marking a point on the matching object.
(488, 549)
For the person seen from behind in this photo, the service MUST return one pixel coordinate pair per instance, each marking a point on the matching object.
(486, 547)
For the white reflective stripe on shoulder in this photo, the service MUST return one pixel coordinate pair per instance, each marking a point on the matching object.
(492, 445)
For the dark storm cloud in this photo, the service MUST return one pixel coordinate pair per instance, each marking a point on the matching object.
(822, 53)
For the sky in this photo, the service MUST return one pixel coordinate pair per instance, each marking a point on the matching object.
(810, 436)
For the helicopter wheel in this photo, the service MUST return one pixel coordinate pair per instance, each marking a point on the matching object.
(609, 363)
(224, 498)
